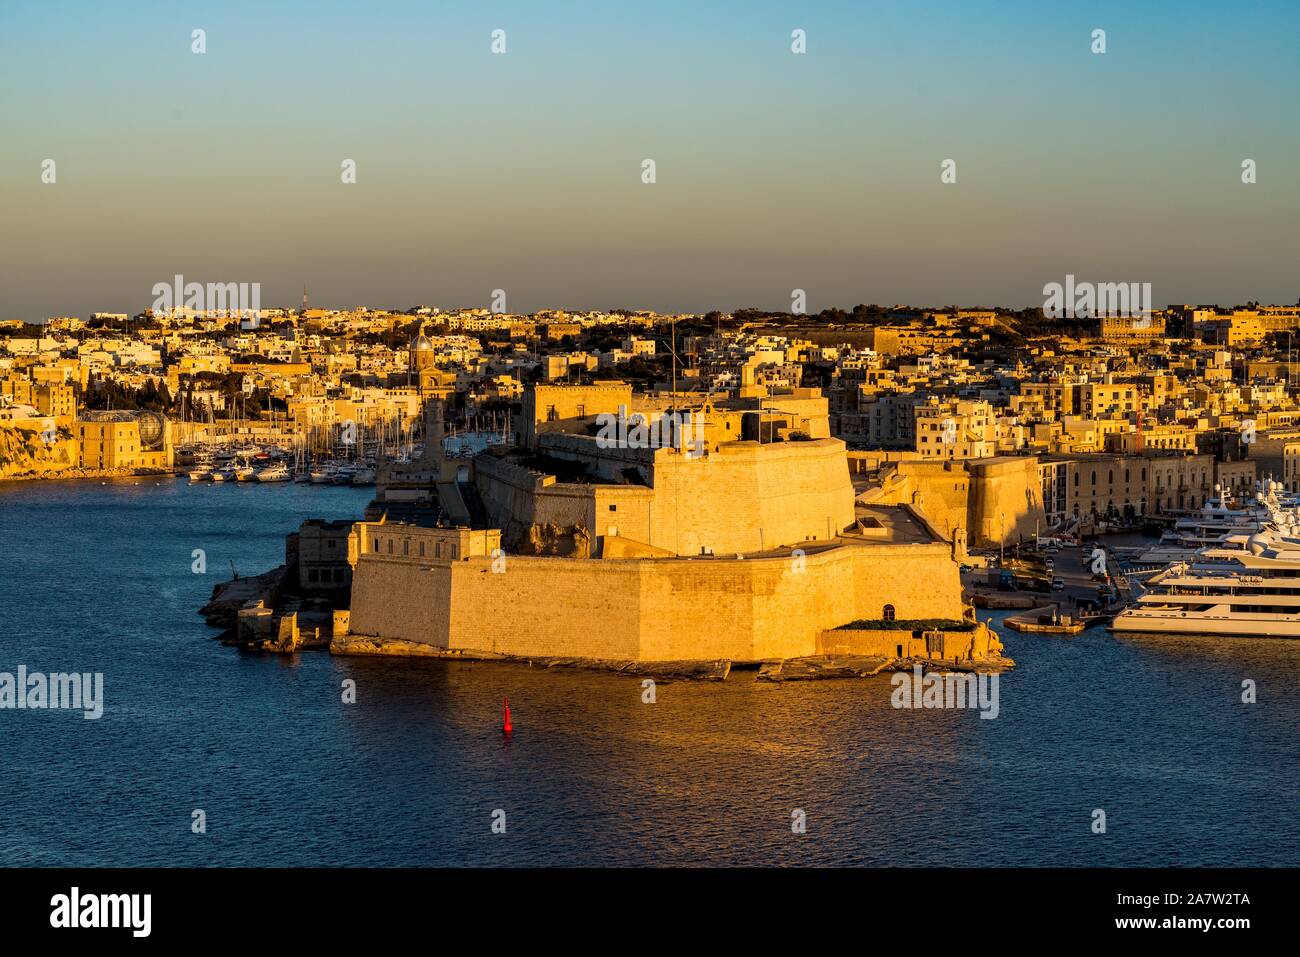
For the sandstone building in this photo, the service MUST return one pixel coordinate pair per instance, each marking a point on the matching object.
(734, 547)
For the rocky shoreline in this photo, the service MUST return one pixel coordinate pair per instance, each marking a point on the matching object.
(821, 667)
(222, 609)
(76, 474)
(814, 668)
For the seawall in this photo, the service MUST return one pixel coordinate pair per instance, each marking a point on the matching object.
(647, 609)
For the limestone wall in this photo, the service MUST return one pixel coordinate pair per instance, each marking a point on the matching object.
(979, 643)
(745, 497)
(650, 609)
(740, 497)
(1006, 500)
(995, 499)
(405, 600)
(560, 406)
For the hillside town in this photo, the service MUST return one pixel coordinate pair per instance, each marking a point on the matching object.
(1121, 419)
(843, 441)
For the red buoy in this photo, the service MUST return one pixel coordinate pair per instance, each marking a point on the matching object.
(506, 727)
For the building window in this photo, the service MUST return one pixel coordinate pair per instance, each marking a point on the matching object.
(613, 508)
(888, 614)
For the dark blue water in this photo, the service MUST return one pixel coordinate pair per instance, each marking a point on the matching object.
(98, 578)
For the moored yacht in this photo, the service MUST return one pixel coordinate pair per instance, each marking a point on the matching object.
(1249, 589)
(274, 473)
(1218, 520)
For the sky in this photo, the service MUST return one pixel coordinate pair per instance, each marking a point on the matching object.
(522, 171)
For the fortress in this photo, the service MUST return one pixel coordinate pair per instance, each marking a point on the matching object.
(738, 539)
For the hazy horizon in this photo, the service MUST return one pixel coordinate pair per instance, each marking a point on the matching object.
(775, 171)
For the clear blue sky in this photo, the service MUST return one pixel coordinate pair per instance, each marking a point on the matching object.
(522, 172)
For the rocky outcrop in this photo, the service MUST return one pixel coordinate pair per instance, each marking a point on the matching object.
(856, 666)
(808, 669)
(265, 629)
(369, 645)
(570, 541)
(24, 453)
(222, 610)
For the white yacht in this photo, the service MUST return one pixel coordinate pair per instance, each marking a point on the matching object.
(1249, 588)
(274, 473)
(1218, 520)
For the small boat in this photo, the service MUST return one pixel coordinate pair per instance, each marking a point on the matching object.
(203, 474)
(343, 475)
(323, 475)
(363, 477)
(246, 473)
(223, 475)
(274, 473)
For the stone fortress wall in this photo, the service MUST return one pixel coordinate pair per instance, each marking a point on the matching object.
(641, 609)
(996, 499)
(744, 550)
(738, 497)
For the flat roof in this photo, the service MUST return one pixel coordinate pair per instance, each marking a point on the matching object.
(894, 524)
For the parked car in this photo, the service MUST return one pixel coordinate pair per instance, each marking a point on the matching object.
(1058, 583)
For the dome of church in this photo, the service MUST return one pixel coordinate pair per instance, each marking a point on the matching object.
(421, 342)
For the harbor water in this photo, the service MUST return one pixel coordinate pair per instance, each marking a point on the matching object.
(104, 577)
